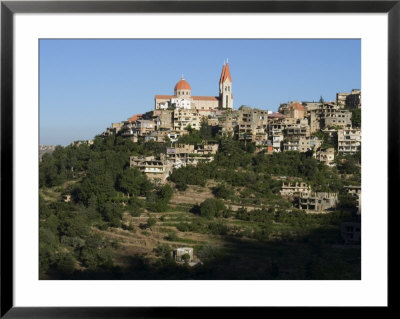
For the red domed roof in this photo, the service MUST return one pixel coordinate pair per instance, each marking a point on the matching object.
(182, 85)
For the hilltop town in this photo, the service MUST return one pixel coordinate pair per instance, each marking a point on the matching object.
(196, 189)
(323, 129)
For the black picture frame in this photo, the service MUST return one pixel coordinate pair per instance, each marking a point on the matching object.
(9, 8)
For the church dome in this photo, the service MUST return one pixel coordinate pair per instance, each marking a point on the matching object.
(182, 85)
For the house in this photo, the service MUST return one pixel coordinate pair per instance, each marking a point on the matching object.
(185, 154)
(350, 100)
(179, 254)
(155, 169)
(318, 201)
(326, 156)
(349, 140)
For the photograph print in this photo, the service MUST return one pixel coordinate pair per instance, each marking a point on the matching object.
(200, 159)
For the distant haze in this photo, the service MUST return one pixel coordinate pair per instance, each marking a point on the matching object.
(85, 85)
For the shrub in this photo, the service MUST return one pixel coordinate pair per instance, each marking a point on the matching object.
(212, 207)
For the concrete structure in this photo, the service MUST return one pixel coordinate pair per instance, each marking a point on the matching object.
(309, 143)
(163, 119)
(349, 140)
(183, 98)
(291, 189)
(137, 128)
(252, 125)
(183, 118)
(317, 202)
(155, 169)
(277, 138)
(349, 100)
(179, 253)
(326, 115)
(294, 110)
(336, 119)
(355, 191)
(326, 156)
(185, 154)
(290, 145)
(114, 129)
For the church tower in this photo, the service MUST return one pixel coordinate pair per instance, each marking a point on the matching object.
(225, 88)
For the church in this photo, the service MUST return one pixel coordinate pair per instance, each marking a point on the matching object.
(183, 98)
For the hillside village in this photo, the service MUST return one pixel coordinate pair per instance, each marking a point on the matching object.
(196, 189)
(297, 126)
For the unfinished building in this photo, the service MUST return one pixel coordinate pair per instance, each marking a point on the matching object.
(326, 156)
(291, 189)
(317, 201)
(155, 169)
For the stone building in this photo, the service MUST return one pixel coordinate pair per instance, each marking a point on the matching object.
(163, 119)
(185, 154)
(318, 114)
(253, 125)
(183, 118)
(296, 131)
(308, 143)
(326, 156)
(294, 110)
(349, 140)
(317, 202)
(336, 119)
(114, 129)
(155, 169)
(183, 98)
(179, 253)
(349, 100)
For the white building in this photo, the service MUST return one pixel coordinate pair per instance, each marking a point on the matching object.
(349, 140)
(181, 103)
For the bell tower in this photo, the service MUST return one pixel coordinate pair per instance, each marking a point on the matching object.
(225, 88)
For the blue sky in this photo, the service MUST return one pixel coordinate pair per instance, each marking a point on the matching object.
(85, 85)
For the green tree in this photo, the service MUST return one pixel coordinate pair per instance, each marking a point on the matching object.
(212, 207)
(186, 258)
(151, 221)
(223, 191)
(66, 264)
(356, 118)
(133, 182)
(205, 130)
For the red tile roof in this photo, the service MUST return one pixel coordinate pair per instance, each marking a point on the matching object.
(164, 96)
(276, 115)
(205, 98)
(135, 117)
(182, 85)
(226, 74)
